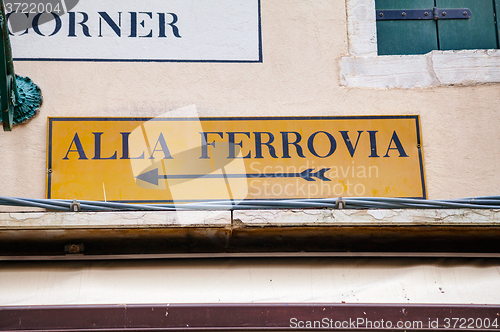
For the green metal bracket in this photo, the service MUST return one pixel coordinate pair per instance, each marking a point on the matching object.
(7, 83)
(20, 98)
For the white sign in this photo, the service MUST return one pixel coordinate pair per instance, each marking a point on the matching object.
(144, 30)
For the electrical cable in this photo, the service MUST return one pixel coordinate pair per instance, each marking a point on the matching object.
(483, 202)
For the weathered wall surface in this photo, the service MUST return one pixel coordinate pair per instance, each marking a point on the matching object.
(317, 280)
(303, 46)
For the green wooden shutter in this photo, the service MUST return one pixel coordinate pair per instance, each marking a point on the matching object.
(423, 36)
(406, 37)
(478, 32)
(497, 13)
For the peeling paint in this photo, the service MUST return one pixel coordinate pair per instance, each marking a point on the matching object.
(377, 214)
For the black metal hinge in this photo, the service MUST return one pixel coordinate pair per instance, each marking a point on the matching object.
(423, 14)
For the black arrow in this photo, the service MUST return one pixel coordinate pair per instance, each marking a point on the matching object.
(152, 176)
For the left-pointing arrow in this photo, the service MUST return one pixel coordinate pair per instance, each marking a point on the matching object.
(149, 176)
(152, 176)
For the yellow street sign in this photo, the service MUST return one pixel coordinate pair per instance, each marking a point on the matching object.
(175, 160)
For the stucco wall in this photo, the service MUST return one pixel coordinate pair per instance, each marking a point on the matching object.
(317, 280)
(303, 45)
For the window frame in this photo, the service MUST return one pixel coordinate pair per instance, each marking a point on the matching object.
(363, 67)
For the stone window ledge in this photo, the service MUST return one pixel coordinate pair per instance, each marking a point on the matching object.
(436, 68)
